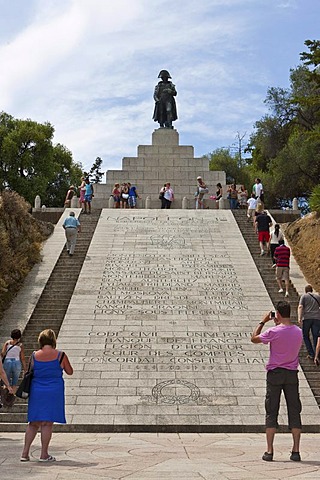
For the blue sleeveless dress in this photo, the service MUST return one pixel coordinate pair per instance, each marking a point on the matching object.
(46, 400)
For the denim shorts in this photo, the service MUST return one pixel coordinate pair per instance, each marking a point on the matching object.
(132, 201)
(12, 367)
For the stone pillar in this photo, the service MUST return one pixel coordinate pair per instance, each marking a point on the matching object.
(221, 204)
(148, 203)
(185, 203)
(37, 202)
(295, 204)
(111, 202)
(74, 202)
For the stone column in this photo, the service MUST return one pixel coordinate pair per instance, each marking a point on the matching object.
(185, 203)
(148, 203)
(221, 204)
(37, 202)
(74, 201)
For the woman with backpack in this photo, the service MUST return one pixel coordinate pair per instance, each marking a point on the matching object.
(13, 358)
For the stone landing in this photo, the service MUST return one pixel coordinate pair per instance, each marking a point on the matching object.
(163, 161)
(158, 329)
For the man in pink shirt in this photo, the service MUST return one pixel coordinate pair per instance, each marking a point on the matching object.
(285, 340)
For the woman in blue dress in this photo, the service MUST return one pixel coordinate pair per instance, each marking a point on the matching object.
(46, 400)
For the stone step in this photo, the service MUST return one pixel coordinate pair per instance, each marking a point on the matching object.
(7, 426)
(19, 408)
(13, 417)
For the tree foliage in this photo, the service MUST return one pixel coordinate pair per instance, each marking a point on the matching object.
(31, 165)
(221, 159)
(285, 145)
(95, 175)
(21, 237)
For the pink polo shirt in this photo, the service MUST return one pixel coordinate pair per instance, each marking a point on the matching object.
(285, 342)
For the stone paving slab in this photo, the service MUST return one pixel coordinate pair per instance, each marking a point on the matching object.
(158, 329)
(145, 456)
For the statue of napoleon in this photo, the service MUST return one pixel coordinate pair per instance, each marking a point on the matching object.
(165, 110)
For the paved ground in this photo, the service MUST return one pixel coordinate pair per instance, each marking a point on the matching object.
(143, 456)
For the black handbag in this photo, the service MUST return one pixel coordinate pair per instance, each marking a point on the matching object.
(25, 385)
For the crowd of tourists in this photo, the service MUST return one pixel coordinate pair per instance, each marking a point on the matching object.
(125, 195)
(86, 193)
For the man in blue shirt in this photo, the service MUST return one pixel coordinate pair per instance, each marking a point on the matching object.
(71, 226)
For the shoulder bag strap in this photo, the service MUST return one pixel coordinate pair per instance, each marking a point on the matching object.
(61, 358)
(31, 362)
(8, 350)
(314, 298)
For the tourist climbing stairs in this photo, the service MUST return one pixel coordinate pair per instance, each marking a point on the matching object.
(52, 306)
(264, 265)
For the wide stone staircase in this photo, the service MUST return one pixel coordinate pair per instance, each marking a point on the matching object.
(267, 273)
(51, 307)
(54, 301)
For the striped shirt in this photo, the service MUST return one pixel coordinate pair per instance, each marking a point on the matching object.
(282, 256)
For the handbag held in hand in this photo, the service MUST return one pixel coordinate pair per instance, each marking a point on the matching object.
(25, 385)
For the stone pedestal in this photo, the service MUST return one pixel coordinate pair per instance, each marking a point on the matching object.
(163, 161)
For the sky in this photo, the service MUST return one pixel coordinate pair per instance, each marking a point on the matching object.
(89, 67)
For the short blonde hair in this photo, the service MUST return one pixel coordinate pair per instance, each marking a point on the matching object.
(47, 337)
(259, 208)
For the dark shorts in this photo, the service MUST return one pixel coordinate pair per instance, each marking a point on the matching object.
(88, 198)
(278, 380)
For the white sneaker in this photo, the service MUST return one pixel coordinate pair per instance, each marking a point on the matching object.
(262, 253)
(281, 290)
(287, 294)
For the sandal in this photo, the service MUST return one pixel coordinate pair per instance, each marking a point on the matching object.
(24, 459)
(48, 459)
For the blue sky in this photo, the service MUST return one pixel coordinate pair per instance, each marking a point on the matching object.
(89, 67)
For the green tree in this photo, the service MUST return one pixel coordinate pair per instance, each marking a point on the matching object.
(66, 173)
(29, 162)
(95, 175)
(285, 145)
(221, 159)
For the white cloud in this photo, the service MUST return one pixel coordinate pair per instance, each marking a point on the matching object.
(90, 66)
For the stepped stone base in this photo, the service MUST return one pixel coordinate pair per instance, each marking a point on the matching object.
(163, 161)
(158, 329)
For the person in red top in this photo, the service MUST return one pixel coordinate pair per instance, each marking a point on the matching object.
(282, 258)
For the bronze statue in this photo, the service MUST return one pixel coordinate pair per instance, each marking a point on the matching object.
(165, 110)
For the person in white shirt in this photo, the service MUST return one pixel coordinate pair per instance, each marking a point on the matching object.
(168, 196)
(257, 189)
(252, 205)
(275, 236)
